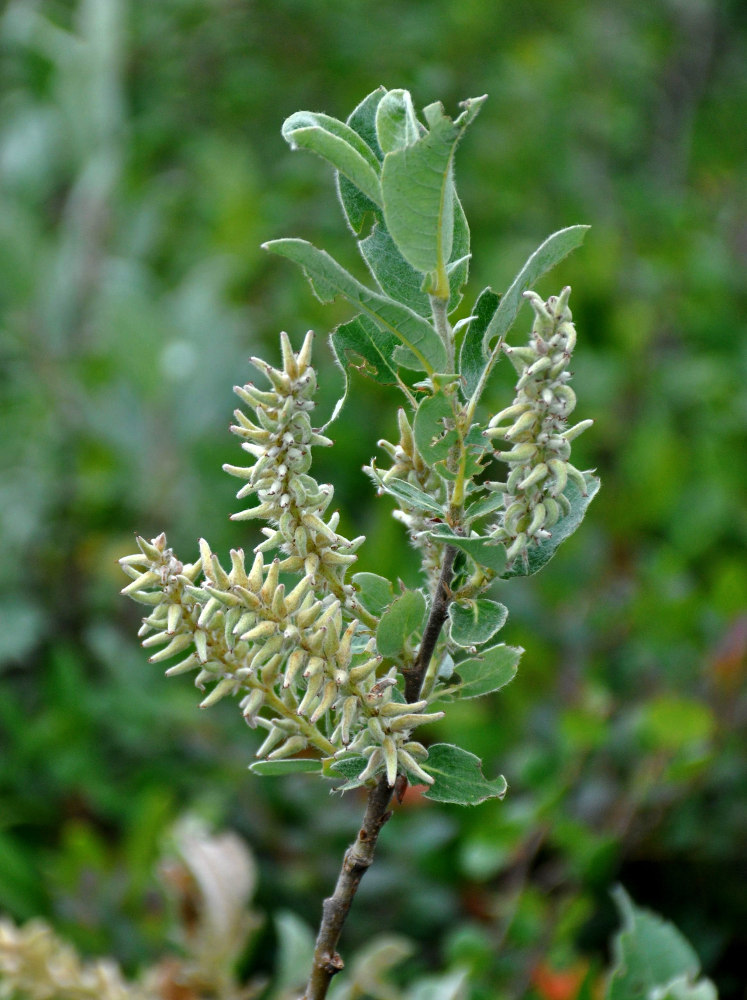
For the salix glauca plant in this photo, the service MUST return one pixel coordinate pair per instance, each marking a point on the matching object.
(341, 670)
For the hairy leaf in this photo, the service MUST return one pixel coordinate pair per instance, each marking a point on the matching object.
(540, 555)
(418, 190)
(488, 672)
(277, 768)
(359, 209)
(545, 257)
(329, 279)
(340, 145)
(393, 274)
(485, 505)
(348, 768)
(459, 778)
(361, 344)
(433, 437)
(474, 622)
(482, 551)
(411, 496)
(374, 592)
(401, 619)
(472, 359)
(397, 125)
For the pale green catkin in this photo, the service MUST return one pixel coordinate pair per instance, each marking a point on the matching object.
(535, 427)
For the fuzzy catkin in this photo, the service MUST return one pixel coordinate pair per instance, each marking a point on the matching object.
(535, 428)
(280, 438)
(303, 665)
(410, 466)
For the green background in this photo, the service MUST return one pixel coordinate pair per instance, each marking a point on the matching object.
(141, 165)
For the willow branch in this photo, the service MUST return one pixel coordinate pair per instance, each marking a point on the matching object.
(359, 856)
(439, 612)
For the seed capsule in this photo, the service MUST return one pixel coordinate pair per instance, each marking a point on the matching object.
(221, 689)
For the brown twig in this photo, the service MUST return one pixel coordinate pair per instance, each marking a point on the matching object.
(358, 857)
(439, 611)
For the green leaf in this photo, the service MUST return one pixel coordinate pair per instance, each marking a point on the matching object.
(278, 768)
(397, 125)
(374, 592)
(652, 958)
(539, 555)
(411, 496)
(362, 345)
(485, 505)
(393, 274)
(459, 778)
(329, 279)
(474, 622)
(340, 145)
(472, 358)
(357, 207)
(482, 551)
(400, 280)
(403, 617)
(544, 258)
(418, 190)
(458, 266)
(433, 438)
(349, 768)
(488, 672)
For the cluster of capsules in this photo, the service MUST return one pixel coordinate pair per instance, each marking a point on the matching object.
(302, 672)
(410, 466)
(280, 439)
(303, 665)
(535, 427)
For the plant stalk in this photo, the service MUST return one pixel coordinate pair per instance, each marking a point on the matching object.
(359, 856)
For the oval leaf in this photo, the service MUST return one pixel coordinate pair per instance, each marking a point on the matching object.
(337, 143)
(348, 768)
(361, 344)
(418, 190)
(474, 622)
(459, 778)
(277, 768)
(329, 279)
(374, 592)
(359, 209)
(472, 358)
(432, 436)
(403, 618)
(411, 496)
(488, 672)
(396, 122)
(539, 555)
(545, 257)
(482, 551)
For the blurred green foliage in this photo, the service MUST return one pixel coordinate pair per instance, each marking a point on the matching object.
(141, 165)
